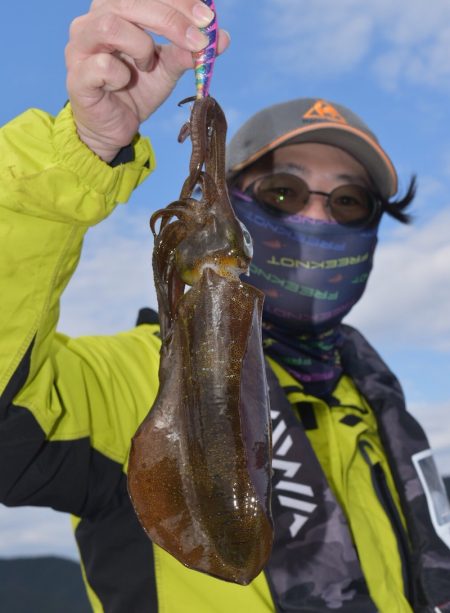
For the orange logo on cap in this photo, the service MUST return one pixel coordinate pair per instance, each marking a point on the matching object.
(324, 110)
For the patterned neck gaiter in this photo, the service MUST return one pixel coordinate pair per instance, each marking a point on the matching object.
(312, 272)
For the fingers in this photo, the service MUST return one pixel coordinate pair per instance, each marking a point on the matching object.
(196, 11)
(223, 41)
(177, 20)
(118, 25)
(108, 33)
(98, 73)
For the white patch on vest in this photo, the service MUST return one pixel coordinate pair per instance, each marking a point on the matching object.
(278, 432)
(299, 521)
(287, 444)
(299, 505)
(281, 446)
(306, 490)
(290, 468)
(436, 495)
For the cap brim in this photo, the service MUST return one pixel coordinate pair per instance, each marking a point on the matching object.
(358, 144)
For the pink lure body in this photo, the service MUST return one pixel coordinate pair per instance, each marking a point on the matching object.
(204, 59)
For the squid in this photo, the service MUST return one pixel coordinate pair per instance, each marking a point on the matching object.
(200, 463)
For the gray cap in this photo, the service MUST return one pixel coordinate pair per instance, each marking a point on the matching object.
(311, 120)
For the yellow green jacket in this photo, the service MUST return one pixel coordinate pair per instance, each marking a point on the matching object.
(69, 407)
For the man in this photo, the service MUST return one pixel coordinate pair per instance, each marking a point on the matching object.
(354, 530)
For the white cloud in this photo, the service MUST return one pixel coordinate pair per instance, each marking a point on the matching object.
(29, 531)
(409, 39)
(167, 123)
(114, 278)
(234, 118)
(431, 190)
(409, 290)
(435, 419)
(323, 35)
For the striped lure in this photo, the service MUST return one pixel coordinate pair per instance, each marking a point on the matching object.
(204, 59)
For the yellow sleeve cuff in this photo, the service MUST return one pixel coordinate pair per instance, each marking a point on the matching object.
(46, 171)
(118, 183)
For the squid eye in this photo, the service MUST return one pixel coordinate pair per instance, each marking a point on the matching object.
(248, 242)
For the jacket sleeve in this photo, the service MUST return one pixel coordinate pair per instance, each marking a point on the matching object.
(67, 406)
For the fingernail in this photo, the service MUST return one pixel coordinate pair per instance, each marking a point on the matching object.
(196, 38)
(227, 34)
(203, 14)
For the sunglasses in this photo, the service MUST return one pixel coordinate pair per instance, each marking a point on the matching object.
(285, 194)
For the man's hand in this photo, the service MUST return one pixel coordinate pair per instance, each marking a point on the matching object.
(117, 76)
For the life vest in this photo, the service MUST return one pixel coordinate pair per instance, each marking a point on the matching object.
(298, 574)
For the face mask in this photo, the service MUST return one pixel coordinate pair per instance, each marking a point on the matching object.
(311, 271)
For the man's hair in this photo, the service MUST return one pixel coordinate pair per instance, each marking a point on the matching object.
(396, 207)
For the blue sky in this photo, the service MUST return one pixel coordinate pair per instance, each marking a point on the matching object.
(389, 62)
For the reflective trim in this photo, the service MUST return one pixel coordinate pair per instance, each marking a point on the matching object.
(435, 493)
